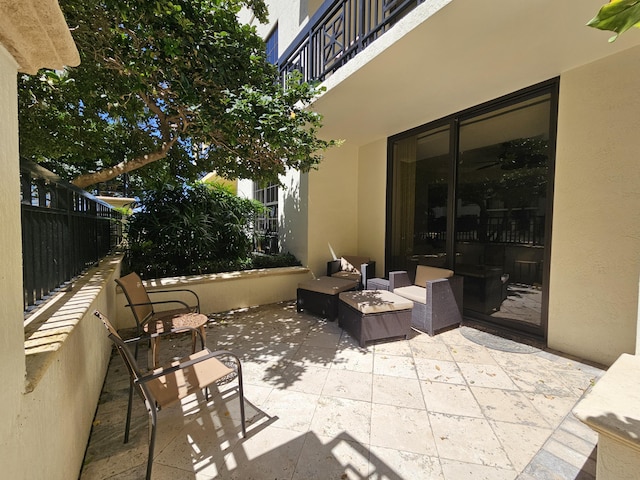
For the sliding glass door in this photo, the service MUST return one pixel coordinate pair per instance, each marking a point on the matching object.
(472, 193)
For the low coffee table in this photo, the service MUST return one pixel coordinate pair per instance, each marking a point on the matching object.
(320, 295)
(374, 315)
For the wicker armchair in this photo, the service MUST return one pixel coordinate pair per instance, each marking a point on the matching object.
(436, 295)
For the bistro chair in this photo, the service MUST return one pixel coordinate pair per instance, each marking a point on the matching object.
(168, 385)
(184, 318)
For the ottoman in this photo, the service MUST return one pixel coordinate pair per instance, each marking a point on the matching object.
(320, 296)
(374, 315)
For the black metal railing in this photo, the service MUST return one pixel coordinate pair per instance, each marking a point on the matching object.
(337, 32)
(65, 230)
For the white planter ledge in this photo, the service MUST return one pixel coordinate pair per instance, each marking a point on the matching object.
(612, 409)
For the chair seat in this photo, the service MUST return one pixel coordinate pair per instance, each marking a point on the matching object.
(162, 322)
(174, 386)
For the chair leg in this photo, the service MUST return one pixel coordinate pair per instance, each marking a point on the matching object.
(241, 398)
(154, 351)
(152, 439)
(194, 339)
(129, 407)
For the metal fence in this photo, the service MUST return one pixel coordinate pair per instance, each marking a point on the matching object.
(65, 230)
(337, 32)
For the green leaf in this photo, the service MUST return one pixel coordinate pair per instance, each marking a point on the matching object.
(617, 16)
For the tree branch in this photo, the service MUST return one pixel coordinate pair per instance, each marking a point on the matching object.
(87, 179)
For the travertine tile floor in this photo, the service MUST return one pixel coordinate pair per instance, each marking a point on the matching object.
(320, 407)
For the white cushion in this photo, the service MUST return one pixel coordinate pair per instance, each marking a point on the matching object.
(413, 293)
(375, 301)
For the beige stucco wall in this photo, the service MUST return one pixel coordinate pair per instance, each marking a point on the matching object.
(11, 340)
(66, 366)
(223, 291)
(595, 260)
(333, 208)
(372, 195)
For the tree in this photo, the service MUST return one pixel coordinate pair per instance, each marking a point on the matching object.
(617, 16)
(180, 81)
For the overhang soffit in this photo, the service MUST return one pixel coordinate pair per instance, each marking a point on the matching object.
(36, 34)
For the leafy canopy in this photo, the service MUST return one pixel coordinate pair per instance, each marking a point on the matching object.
(617, 16)
(181, 81)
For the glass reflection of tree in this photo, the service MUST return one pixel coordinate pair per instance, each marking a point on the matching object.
(515, 180)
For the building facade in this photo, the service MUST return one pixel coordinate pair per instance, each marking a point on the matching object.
(489, 138)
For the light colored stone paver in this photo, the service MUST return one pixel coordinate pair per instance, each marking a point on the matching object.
(521, 442)
(319, 406)
(439, 371)
(394, 366)
(402, 428)
(348, 384)
(450, 399)
(490, 376)
(292, 410)
(468, 440)
(342, 418)
(394, 464)
(508, 406)
(454, 470)
(326, 457)
(397, 391)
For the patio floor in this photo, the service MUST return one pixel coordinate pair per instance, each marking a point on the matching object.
(461, 405)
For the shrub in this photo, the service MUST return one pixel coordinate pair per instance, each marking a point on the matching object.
(191, 229)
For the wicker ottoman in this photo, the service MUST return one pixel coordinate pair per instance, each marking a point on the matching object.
(320, 296)
(374, 315)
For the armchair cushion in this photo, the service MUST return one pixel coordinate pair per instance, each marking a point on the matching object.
(353, 264)
(425, 273)
(354, 268)
(413, 293)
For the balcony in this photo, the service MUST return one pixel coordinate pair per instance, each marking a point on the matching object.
(337, 32)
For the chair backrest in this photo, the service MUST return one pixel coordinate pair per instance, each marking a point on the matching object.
(352, 263)
(425, 273)
(127, 357)
(137, 297)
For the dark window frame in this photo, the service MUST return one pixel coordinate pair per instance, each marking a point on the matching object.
(453, 121)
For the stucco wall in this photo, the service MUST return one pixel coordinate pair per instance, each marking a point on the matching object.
(11, 340)
(47, 399)
(595, 258)
(333, 207)
(223, 291)
(372, 192)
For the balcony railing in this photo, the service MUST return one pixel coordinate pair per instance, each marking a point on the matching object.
(65, 230)
(337, 32)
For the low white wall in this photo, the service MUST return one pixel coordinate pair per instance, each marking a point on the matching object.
(67, 354)
(226, 291)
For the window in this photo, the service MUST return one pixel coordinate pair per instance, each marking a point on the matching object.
(266, 225)
(272, 46)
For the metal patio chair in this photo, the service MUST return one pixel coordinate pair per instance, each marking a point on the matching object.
(165, 386)
(185, 318)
